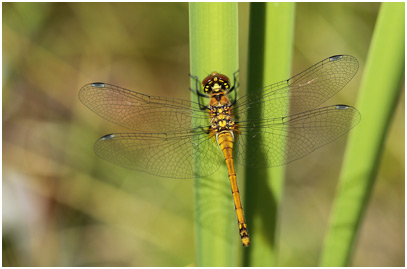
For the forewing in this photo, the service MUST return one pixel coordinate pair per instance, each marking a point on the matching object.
(141, 112)
(303, 92)
(163, 154)
(275, 142)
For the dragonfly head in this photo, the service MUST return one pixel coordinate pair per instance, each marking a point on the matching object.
(215, 83)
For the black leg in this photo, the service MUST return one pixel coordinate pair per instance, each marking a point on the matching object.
(199, 94)
(234, 87)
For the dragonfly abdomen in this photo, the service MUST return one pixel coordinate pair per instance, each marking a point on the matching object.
(225, 141)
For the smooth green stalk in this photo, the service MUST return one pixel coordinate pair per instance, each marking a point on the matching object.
(214, 47)
(380, 89)
(270, 56)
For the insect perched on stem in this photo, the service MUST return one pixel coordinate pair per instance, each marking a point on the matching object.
(171, 133)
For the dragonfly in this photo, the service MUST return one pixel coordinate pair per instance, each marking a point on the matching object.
(169, 134)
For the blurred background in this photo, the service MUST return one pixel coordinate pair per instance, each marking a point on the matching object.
(63, 206)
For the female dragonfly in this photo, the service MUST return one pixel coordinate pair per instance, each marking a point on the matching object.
(171, 133)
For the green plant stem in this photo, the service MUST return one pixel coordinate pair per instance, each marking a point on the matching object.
(379, 93)
(214, 47)
(270, 56)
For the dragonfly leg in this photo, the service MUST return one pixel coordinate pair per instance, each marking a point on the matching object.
(234, 87)
(198, 93)
(235, 82)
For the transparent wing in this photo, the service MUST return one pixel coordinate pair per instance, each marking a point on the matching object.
(162, 154)
(302, 92)
(283, 140)
(140, 112)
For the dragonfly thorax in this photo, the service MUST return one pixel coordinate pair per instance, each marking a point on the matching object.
(220, 109)
(222, 122)
(221, 114)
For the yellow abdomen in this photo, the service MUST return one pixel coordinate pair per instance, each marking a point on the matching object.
(225, 141)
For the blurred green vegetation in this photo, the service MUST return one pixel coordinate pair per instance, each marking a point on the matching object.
(384, 69)
(271, 39)
(62, 206)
